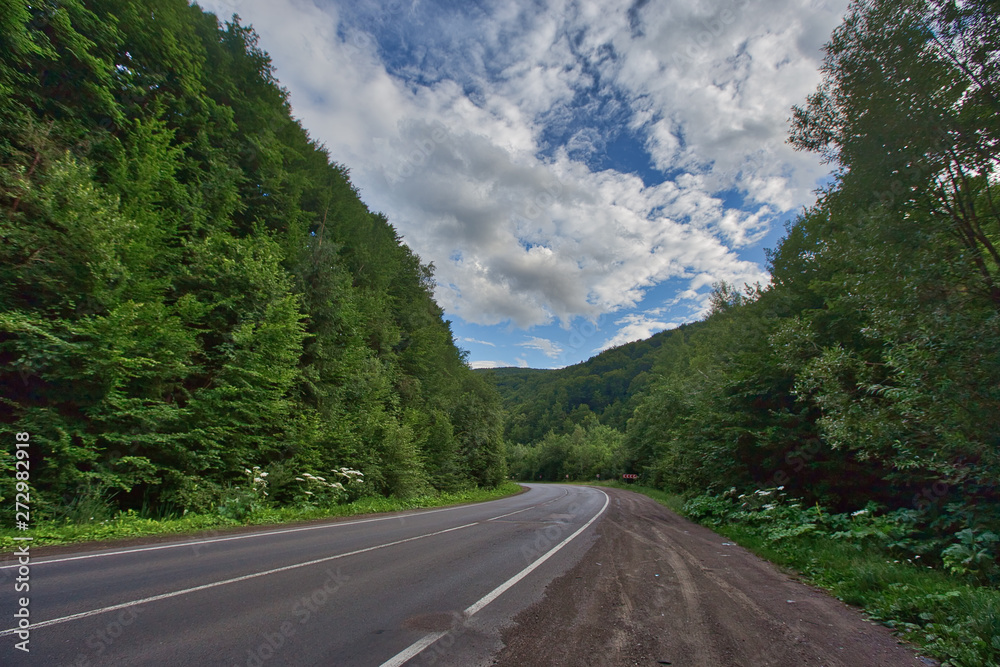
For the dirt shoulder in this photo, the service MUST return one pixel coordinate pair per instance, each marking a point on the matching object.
(656, 589)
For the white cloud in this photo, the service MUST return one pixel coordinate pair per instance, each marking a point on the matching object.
(545, 346)
(489, 364)
(636, 327)
(524, 231)
(716, 81)
(480, 342)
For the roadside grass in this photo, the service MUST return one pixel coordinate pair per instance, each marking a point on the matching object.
(949, 617)
(952, 618)
(129, 524)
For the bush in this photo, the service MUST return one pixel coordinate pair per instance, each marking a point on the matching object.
(878, 561)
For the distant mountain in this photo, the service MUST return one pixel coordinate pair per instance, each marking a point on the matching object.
(600, 389)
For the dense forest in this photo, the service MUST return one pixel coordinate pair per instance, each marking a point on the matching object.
(600, 389)
(191, 291)
(569, 422)
(868, 370)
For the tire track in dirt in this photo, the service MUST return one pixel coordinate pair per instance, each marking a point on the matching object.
(658, 589)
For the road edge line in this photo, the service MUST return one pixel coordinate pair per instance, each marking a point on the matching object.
(244, 536)
(215, 584)
(424, 642)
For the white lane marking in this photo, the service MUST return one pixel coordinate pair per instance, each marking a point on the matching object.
(421, 644)
(413, 650)
(502, 588)
(565, 493)
(249, 535)
(234, 580)
(513, 513)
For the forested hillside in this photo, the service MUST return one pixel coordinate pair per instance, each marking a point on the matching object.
(598, 390)
(868, 371)
(191, 287)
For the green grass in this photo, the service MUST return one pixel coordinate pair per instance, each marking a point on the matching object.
(949, 617)
(131, 524)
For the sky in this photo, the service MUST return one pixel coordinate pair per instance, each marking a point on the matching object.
(580, 173)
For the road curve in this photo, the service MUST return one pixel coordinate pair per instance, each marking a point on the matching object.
(409, 588)
(656, 589)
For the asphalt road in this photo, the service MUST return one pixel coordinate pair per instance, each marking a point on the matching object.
(410, 588)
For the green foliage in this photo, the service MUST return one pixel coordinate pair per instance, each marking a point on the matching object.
(857, 557)
(866, 372)
(240, 502)
(133, 523)
(864, 380)
(539, 401)
(190, 287)
(974, 553)
(587, 453)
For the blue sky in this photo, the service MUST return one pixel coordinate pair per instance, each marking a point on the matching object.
(580, 172)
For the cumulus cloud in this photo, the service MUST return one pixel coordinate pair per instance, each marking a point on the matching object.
(478, 131)
(545, 346)
(712, 84)
(636, 327)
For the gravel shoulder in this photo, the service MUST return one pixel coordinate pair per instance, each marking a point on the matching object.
(656, 589)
